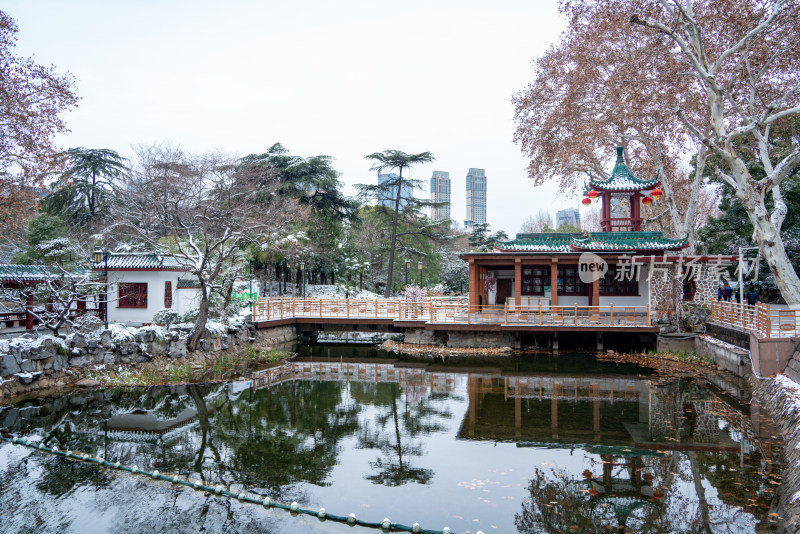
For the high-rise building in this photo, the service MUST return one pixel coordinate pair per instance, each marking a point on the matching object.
(570, 216)
(476, 197)
(440, 192)
(388, 196)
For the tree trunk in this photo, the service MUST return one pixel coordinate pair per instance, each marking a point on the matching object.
(390, 275)
(202, 318)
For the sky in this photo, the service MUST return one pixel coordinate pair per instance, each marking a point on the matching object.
(344, 79)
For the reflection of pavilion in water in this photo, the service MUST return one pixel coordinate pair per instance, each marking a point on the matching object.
(616, 410)
(416, 382)
(147, 426)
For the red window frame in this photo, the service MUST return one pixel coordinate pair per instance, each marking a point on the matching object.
(168, 293)
(132, 295)
(689, 290)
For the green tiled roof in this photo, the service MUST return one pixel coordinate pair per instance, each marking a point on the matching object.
(594, 242)
(627, 241)
(622, 179)
(26, 273)
(540, 242)
(120, 260)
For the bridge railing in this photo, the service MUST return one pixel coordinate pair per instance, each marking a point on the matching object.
(761, 319)
(444, 312)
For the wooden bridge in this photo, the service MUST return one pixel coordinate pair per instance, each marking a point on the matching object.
(451, 315)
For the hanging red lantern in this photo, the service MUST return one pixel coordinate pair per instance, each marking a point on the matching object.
(647, 201)
(587, 474)
(586, 201)
(658, 494)
(592, 193)
(656, 193)
(593, 492)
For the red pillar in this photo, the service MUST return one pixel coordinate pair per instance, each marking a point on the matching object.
(28, 315)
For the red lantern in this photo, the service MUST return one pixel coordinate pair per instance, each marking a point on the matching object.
(592, 193)
(647, 201)
(658, 494)
(593, 492)
(656, 193)
(586, 201)
(647, 476)
(587, 474)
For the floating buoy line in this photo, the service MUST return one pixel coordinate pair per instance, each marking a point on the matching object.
(294, 508)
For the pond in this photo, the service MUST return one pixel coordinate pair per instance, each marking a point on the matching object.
(530, 443)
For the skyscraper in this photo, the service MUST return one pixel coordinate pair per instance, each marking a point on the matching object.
(569, 215)
(389, 195)
(476, 197)
(440, 192)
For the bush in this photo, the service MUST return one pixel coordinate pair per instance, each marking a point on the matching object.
(190, 315)
(86, 324)
(166, 317)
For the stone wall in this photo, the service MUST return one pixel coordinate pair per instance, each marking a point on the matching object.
(729, 335)
(457, 339)
(792, 369)
(727, 357)
(664, 291)
(32, 363)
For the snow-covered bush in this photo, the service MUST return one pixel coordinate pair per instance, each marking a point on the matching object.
(190, 315)
(86, 324)
(166, 316)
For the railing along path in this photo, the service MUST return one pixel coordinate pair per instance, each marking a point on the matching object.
(449, 312)
(762, 319)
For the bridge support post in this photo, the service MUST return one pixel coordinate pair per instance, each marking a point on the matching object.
(555, 342)
(599, 342)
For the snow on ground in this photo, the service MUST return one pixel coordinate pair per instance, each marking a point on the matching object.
(336, 292)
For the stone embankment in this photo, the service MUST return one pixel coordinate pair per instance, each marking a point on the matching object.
(781, 397)
(32, 363)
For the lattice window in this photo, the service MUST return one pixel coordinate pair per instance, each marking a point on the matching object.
(132, 295)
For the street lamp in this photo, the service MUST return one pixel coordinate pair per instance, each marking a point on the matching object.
(407, 263)
(302, 280)
(98, 256)
(419, 266)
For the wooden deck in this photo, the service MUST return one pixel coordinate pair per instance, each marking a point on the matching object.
(448, 315)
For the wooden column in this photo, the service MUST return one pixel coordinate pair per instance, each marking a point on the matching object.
(28, 315)
(473, 282)
(554, 282)
(595, 300)
(517, 282)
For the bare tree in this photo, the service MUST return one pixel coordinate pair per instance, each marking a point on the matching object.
(746, 62)
(203, 210)
(537, 223)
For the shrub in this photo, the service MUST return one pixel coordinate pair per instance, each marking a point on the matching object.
(166, 316)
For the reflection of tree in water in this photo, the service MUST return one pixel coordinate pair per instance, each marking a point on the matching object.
(394, 432)
(286, 434)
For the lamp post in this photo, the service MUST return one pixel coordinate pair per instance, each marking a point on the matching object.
(407, 263)
(419, 266)
(98, 256)
(302, 280)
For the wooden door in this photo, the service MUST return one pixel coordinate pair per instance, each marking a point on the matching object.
(503, 291)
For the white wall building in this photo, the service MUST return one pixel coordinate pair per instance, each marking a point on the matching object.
(139, 285)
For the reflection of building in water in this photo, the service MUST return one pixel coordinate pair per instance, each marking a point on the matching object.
(141, 425)
(618, 410)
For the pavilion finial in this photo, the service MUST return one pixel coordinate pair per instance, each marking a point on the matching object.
(620, 159)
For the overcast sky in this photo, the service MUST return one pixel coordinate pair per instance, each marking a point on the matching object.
(343, 78)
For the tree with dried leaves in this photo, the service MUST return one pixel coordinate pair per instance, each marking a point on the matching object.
(32, 100)
(203, 210)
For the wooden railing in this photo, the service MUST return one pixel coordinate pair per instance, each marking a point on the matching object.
(762, 319)
(444, 312)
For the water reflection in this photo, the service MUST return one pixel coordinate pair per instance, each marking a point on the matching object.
(472, 448)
